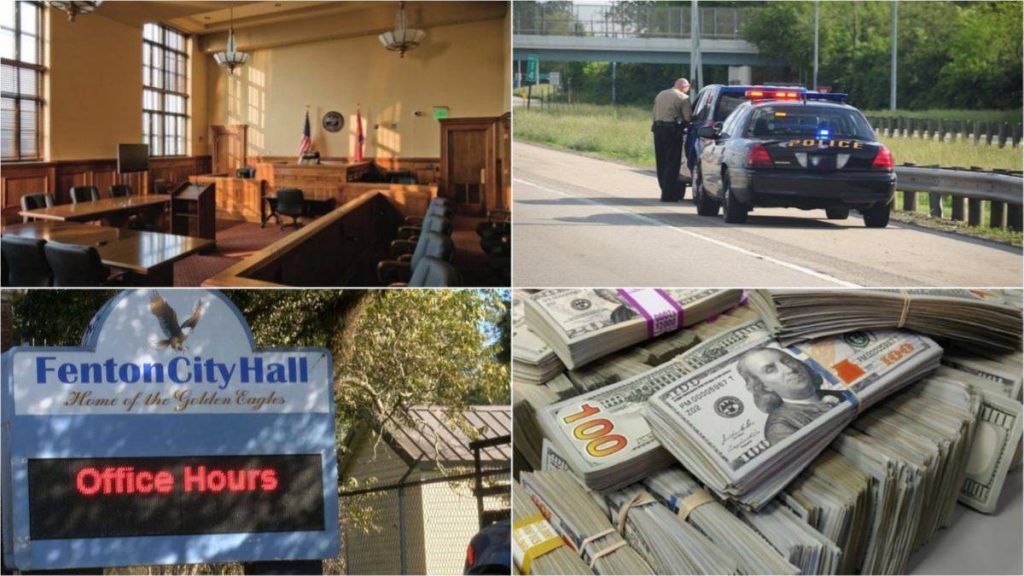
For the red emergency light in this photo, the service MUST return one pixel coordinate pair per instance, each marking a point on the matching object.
(772, 94)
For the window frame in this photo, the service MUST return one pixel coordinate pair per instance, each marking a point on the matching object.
(154, 117)
(40, 70)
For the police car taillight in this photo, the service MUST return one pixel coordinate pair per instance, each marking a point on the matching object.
(758, 157)
(883, 160)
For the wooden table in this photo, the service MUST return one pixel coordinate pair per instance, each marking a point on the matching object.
(116, 209)
(148, 256)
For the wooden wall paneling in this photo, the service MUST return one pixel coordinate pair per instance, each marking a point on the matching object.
(505, 162)
(18, 181)
(57, 178)
(229, 143)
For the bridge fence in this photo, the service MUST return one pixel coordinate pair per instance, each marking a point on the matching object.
(625, 21)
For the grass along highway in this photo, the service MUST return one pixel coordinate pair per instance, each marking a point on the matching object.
(581, 221)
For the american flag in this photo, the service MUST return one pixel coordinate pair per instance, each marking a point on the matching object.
(307, 144)
(360, 138)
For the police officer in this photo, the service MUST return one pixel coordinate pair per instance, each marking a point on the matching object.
(672, 114)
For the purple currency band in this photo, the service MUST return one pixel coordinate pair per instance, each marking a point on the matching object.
(670, 317)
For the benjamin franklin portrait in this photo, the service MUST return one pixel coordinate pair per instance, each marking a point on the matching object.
(785, 389)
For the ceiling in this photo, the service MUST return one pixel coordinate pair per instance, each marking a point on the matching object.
(210, 17)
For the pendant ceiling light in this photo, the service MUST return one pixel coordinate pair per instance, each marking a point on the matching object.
(230, 57)
(76, 7)
(402, 39)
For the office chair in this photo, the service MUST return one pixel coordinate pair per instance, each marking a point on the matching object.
(75, 265)
(34, 201)
(429, 244)
(26, 261)
(290, 202)
(432, 273)
(120, 191)
(84, 194)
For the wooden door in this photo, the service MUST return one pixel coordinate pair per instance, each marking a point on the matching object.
(469, 173)
(229, 144)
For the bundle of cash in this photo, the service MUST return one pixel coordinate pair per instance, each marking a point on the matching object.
(681, 494)
(536, 547)
(576, 516)
(533, 361)
(746, 423)
(802, 545)
(834, 496)
(631, 362)
(582, 325)
(527, 400)
(603, 436)
(997, 442)
(988, 318)
(915, 447)
(670, 545)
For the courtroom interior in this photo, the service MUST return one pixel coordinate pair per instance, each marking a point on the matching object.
(253, 144)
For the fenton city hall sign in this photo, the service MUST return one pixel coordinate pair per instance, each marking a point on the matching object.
(166, 438)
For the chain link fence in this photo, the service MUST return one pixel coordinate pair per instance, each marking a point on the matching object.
(419, 526)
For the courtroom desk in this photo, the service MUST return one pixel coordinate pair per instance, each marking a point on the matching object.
(111, 208)
(237, 198)
(148, 256)
(312, 179)
(339, 249)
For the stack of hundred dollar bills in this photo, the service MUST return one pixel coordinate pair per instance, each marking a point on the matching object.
(841, 453)
(989, 318)
(582, 324)
(533, 361)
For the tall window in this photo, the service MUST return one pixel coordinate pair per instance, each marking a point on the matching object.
(21, 54)
(165, 90)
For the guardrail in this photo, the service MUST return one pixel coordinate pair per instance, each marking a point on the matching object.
(1004, 191)
(991, 133)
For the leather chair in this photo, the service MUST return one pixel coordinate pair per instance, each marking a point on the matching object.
(432, 210)
(429, 244)
(76, 265)
(291, 202)
(432, 273)
(431, 223)
(34, 201)
(120, 191)
(84, 194)
(25, 259)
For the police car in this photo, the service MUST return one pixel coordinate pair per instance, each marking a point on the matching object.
(795, 152)
(715, 102)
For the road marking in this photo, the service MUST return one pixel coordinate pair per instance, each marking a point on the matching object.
(656, 222)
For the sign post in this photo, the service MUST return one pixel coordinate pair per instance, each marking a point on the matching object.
(167, 438)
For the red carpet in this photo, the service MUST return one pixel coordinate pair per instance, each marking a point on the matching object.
(235, 241)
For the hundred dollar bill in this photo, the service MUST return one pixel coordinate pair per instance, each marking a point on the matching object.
(603, 435)
(582, 325)
(979, 317)
(533, 361)
(748, 422)
(997, 439)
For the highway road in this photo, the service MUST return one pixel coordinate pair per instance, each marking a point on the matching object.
(580, 221)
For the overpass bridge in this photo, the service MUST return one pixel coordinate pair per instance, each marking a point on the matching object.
(648, 34)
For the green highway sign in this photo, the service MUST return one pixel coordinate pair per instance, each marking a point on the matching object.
(532, 69)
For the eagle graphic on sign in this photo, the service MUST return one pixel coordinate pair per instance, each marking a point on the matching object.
(174, 333)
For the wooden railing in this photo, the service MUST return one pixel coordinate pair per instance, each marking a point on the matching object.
(339, 249)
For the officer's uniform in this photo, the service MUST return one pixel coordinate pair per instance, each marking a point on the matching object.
(671, 116)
